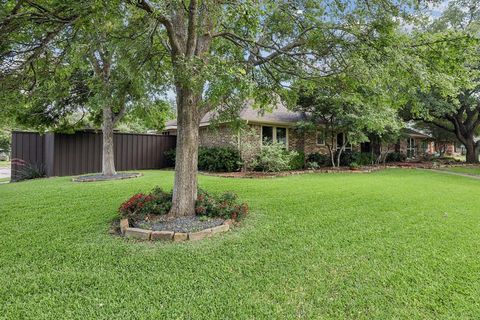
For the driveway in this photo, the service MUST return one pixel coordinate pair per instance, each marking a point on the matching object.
(5, 173)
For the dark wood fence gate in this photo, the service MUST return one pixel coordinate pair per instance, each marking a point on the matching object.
(79, 153)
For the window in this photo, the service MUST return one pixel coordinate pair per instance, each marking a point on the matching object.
(277, 134)
(320, 137)
(281, 135)
(341, 141)
(267, 135)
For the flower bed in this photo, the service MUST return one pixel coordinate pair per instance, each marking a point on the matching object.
(101, 177)
(144, 216)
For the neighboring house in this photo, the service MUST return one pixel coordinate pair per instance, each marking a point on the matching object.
(279, 125)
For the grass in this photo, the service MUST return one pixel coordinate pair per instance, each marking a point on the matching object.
(4, 164)
(391, 244)
(468, 170)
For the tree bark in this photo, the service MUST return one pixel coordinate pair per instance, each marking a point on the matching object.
(108, 162)
(186, 158)
(472, 151)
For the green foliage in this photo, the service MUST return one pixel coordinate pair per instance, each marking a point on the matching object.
(320, 159)
(157, 202)
(274, 158)
(5, 140)
(395, 157)
(354, 165)
(219, 159)
(347, 158)
(298, 161)
(225, 206)
(215, 159)
(170, 156)
(100, 59)
(25, 170)
(312, 165)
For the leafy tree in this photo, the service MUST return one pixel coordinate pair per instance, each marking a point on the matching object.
(223, 52)
(101, 66)
(453, 102)
(334, 113)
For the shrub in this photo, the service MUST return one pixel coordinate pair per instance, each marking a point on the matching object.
(354, 165)
(159, 202)
(322, 160)
(365, 159)
(216, 159)
(170, 156)
(156, 202)
(224, 206)
(274, 158)
(359, 158)
(298, 161)
(26, 170)
(347, 157)
(395, 157)
(312, 165)
(219, 159)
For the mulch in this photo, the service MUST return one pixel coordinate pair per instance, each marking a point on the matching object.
(100, 177)
(260, 175)
(181, 224)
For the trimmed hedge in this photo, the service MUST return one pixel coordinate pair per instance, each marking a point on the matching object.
(215, 159)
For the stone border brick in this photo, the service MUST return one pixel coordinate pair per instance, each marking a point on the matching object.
(137, 233)
(162, 235)
(199, 235)
(144, 234)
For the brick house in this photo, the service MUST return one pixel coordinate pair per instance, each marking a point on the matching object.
(279, 125)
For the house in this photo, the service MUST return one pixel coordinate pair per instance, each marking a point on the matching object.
(279, 125)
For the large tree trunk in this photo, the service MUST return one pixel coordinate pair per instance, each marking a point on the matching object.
(108, 163)
(472, 151)
(186, 158)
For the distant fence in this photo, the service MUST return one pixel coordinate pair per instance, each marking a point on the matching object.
(79, 153)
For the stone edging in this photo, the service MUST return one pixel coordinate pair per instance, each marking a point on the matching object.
(150, 235)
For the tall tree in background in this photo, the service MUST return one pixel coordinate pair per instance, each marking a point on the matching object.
(452, 56)
(102, 65)
(223, 52)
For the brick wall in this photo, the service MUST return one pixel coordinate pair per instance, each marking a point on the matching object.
(221, 136)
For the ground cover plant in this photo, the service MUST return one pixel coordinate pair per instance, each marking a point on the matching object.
(391, 244)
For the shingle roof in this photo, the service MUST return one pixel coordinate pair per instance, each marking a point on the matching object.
(415, 133)
(279, 115)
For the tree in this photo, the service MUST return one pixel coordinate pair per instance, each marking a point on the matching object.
(223, 52)
(453, 102)
(101, 66)
(334, 111)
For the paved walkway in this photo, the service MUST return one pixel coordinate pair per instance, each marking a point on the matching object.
(453, 173)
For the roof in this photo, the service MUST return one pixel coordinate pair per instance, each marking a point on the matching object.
(415, 133)
(280, 115)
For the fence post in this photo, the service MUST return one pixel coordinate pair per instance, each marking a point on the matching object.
(49, 154)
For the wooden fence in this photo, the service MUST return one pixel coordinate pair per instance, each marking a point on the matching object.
(79, 153)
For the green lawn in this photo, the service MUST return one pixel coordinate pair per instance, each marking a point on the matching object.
(396, 244)
(467, 170)
(4, 164)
